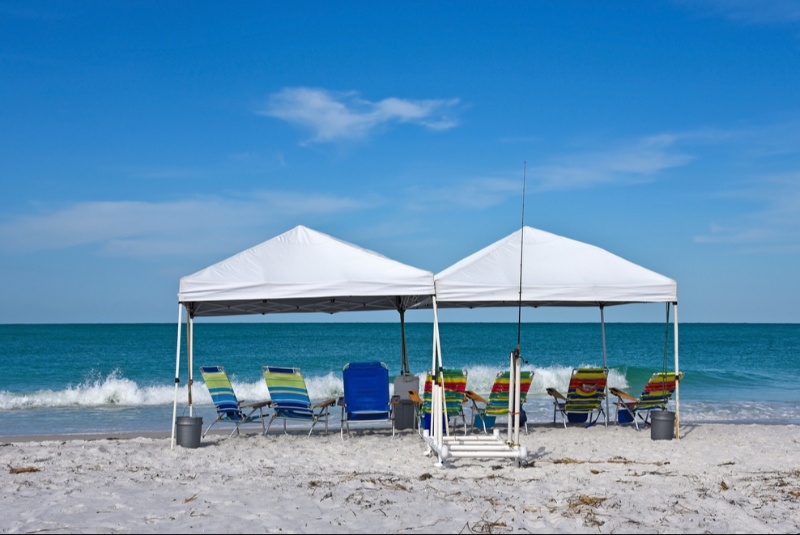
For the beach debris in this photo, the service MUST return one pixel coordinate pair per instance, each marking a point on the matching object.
(678, 504)
(591, 501)
(190, 499)
(24, 470)
(583, 506)
(568, 460)
(724, 485)
(392, 485)
(485, 526)
(425, 476)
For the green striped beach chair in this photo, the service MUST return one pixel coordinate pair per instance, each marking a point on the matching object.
(656, 394)
(497, 405)
(290, 401)
(587, 390)
(229, 408)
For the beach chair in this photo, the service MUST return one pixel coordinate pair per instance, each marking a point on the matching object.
(290, 401)
(655, 395)
(586, 393)
(366, 395)
(497, 405)
(229, 408)
(455, 384)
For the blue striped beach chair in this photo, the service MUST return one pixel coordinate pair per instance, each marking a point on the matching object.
(229, 408)
(290, 401)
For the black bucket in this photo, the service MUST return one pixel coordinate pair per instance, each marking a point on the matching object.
(662, 425)
(188, 431)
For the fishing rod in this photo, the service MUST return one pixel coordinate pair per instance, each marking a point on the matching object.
(521, 247)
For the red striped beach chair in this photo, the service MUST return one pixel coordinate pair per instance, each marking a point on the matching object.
(587, 390)
(497, 404)
(655, 395)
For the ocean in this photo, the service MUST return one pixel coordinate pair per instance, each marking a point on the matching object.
(120, 377)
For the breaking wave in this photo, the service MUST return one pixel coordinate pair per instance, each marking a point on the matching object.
(115, 390)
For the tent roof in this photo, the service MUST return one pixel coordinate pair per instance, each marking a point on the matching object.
(304, 270)
(557, 271)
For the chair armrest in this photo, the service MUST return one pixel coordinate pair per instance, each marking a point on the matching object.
(469, 394)
(395, 400)
(622, 395)
(556, 394)
(326, 403)
(258, 405)
(415, 397)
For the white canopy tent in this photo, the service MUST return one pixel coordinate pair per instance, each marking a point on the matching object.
(536, 268)
(301, 270)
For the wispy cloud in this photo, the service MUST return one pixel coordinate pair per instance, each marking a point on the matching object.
(636, 162)
(332, 116)
(131, 228)
(774, 227)
(473, 193)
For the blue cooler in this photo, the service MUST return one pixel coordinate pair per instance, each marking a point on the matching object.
(487, 420)
(577, 417)
(623, 416)
(426, 421)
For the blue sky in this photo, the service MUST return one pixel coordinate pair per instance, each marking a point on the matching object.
(140, 142)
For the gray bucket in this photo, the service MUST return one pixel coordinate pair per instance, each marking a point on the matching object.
(188, 431)
(662, 425)
(404, 414)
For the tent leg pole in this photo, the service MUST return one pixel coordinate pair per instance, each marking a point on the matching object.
(677, 383)
(190, 359)
(605, 357)
(404, 368)
(177, 376)
(435, 338)
(438, 365)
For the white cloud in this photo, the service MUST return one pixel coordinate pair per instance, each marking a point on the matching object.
(775, 227)
(334, 116)
(132, 228)
(635, 163)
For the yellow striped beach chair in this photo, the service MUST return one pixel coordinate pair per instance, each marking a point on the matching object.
(656, 394)
(290, 401)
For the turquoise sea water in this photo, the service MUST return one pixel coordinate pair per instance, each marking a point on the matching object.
(107, 378)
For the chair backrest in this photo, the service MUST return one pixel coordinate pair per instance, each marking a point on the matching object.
(587, 388)
(287, 387)
(219, 386)
(366, 387)
(455, 383)
(498, 398)
(658, 390)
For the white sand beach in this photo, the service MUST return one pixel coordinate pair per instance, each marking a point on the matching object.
(716, 479)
